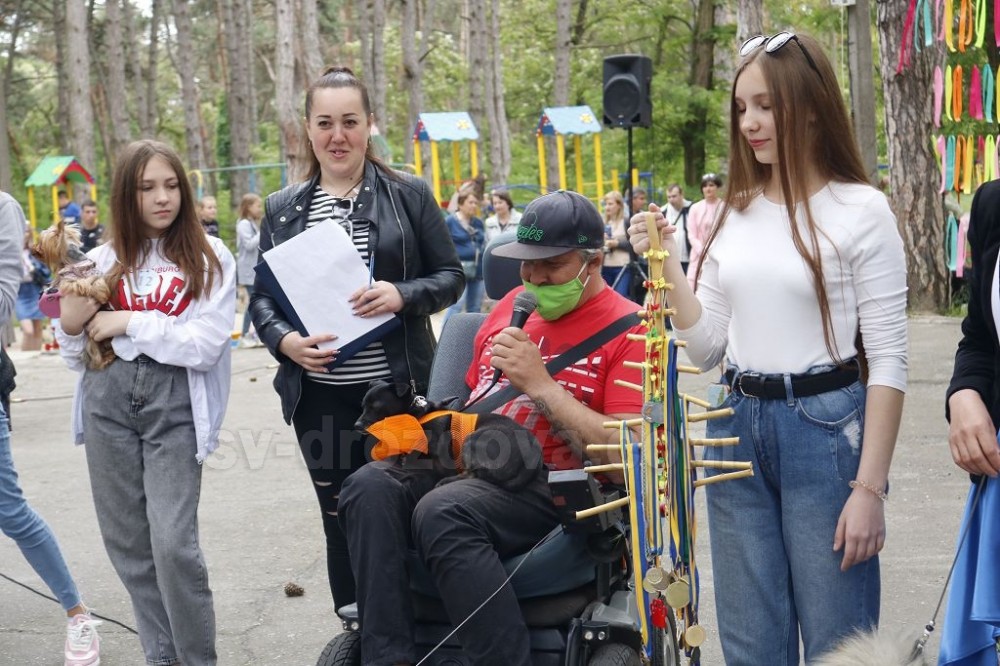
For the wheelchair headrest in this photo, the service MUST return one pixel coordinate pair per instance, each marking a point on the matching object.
(500, 274)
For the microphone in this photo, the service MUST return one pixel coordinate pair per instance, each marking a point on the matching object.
(524, 304)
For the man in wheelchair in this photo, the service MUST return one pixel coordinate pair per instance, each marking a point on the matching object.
(463, 530)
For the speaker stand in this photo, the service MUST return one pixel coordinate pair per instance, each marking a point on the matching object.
(631, 168)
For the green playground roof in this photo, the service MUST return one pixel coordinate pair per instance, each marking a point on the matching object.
(57, 170)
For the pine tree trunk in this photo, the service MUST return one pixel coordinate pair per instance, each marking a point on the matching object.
(81, 118)
(500, 139)
(476, 59)
(560, 82)
(289, 117)
(239, 97)
(377, 84)
(115, 91)
(6, 178)
(62, 77)
(702, 66)
(749, 19)
(312, 54)
(149, 121)
(914, 172)
(136, 81)
(412, 72)
(189, 88)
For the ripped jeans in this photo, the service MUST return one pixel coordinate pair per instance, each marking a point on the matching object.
(775, 571)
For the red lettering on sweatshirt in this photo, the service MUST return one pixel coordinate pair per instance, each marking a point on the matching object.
(169, 296)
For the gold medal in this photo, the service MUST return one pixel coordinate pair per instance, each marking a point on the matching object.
(694, 635)
(655, 580)
(678, 593)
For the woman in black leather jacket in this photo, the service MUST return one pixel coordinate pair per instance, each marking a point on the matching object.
(392, 216)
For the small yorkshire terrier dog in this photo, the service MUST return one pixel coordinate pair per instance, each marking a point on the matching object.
(875, 648)
(76, 275)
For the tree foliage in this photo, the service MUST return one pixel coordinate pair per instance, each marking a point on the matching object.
(687, 112)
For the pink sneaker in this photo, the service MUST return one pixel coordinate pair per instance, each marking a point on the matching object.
(83, 645)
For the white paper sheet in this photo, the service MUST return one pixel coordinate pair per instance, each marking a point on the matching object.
(318, 270)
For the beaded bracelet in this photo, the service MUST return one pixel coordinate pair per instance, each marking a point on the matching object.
(878, 492)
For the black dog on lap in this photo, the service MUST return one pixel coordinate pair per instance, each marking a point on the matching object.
(454, 445)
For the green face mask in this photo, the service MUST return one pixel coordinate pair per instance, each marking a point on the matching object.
(555, 300)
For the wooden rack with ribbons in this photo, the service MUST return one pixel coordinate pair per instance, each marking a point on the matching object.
(661, 474)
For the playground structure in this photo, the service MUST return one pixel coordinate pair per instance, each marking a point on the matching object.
(575, 121)
(54, 172)
(455, 127)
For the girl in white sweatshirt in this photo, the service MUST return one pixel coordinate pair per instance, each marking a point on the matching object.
(152, 416)
(804, 264)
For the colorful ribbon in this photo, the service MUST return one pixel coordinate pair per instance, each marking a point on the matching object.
(988, 85)
(948, 25)
(907, 41)
(949, 162)
(980, 23)
(948, 78)
(975, 94)
(956, 93)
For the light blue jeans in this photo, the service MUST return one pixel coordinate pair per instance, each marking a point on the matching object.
(471, 299)
(32, 534)
(775, 571)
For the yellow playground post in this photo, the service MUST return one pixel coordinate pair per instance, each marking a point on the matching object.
(562, 121)
(455, 127)
(54, 172)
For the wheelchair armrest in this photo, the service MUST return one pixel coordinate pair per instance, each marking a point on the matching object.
(575, 490)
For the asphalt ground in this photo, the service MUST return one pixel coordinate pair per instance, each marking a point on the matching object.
(261, 528)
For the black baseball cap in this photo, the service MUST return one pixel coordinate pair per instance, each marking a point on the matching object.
(552, 225)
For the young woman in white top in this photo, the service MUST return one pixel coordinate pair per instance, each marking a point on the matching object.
(805, 262)
(151, 417)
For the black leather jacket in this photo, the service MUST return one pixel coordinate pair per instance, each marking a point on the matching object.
(412, 249)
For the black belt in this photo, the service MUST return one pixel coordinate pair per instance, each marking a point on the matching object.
(772, 387)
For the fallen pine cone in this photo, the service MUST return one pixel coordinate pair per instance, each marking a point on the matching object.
(293, 590)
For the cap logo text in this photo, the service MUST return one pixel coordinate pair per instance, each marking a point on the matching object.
(531, 233)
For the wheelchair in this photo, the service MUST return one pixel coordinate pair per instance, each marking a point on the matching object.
(576, 589)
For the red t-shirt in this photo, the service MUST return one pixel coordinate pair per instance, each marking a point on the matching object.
(591, 380)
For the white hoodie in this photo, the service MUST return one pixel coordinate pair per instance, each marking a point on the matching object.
(171, 329)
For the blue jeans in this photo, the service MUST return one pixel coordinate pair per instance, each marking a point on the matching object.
(776, 573)
(471, 299)
(32, 534)
(246, 313)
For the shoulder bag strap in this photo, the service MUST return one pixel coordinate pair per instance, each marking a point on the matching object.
(561, 362)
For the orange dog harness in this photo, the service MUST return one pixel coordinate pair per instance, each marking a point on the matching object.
(404, 433)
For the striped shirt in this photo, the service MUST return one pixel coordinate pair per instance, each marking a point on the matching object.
(371, 362)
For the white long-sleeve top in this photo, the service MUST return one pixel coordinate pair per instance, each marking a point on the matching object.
(759, 306)
(171, 328)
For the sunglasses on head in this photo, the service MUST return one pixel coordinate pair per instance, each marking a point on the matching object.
(775, 43)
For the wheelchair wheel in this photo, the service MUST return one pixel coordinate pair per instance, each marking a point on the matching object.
(614, 654)
(666, 651)
(343, 650)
